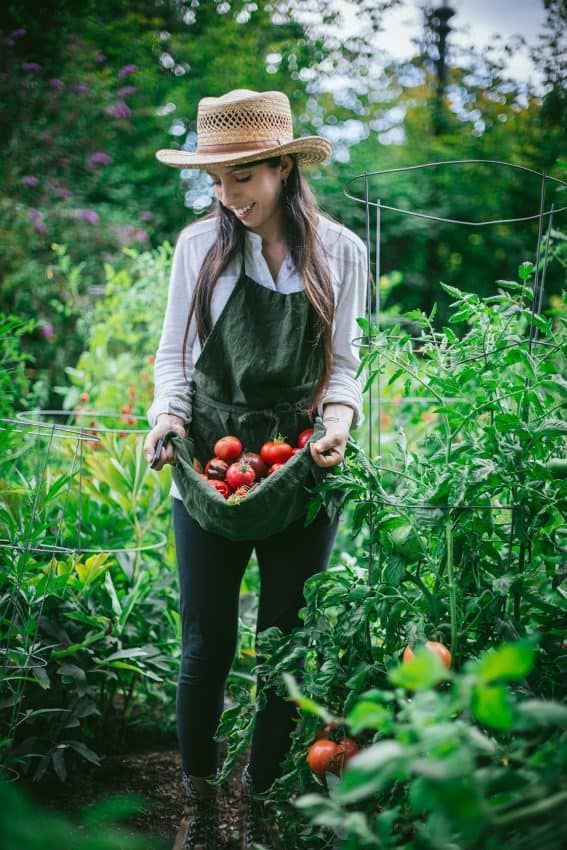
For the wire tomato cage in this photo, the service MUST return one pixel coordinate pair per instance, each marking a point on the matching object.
(20, 649)
(373, 306)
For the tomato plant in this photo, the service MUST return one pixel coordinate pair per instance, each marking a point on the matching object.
(454, 532)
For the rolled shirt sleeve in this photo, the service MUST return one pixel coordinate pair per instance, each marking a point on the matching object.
(344, 387)
(171, 384)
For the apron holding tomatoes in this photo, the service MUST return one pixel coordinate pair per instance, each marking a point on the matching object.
(254, 379)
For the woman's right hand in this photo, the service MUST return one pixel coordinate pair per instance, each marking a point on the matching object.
(165, 422)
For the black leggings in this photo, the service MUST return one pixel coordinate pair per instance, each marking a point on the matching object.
(211, 568)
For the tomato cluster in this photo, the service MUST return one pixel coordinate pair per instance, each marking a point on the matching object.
(234, 473)
(328, 756)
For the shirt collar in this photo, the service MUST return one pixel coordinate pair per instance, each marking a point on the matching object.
(253, 246)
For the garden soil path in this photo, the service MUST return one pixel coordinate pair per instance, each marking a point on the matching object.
(153, 775)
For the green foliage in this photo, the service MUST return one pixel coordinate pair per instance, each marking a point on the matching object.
(116, 368)
(93, 639)
(13, 381)
(440, 775)
(24, 826)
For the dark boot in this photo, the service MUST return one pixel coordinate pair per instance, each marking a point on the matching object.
(203, 830)
(256, 822)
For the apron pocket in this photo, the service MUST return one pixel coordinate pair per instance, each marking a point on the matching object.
(278, 501)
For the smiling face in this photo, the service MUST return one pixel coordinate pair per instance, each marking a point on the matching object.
(252, 192)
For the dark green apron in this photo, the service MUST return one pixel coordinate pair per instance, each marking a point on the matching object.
(254, 379)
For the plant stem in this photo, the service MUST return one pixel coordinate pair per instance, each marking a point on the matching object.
(452, 588)
(535, 809)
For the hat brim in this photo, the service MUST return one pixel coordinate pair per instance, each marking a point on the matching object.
(310, 150)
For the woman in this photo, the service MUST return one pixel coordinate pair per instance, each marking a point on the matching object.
(263, 298)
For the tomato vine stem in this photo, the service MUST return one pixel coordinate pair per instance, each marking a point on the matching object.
(452, 588)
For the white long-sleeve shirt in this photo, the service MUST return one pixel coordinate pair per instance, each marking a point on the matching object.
(345, 253)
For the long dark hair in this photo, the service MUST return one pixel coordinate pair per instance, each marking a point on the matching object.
(300, 210)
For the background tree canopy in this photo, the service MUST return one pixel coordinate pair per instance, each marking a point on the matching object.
(92, 90)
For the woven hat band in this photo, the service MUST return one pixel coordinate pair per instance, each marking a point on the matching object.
(241, 147)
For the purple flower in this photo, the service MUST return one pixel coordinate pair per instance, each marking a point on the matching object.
(57, 84)
(118, 110)
(125, 91)
(127, 69)
(140, 236)
(81, 88)
(30, 180)
(146, 215)
(47, 331)
(89, 216)
(32, 67)
(100, 57)
(99, 158)
(62, 192)
(19, 33)
(8, 42)
(126, 234)
(37, 218)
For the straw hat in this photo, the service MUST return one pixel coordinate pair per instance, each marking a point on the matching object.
(244, 126)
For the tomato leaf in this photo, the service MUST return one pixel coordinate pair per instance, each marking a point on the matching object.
(305, 703)
(369, 715)
(370, 771)
(422, 671)
(510, 662)
(492, 707)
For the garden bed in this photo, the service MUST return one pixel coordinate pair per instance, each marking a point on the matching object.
(153, 774)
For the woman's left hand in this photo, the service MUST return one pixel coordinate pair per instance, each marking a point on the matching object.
(330, 449)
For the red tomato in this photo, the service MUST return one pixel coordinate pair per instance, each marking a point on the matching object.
(274, 468)
(438, 649)
(240, 473)
(321, 755)
(216, 468)
(228, 448)
(276, 451)
(256, 463)
(221, 486)
(303, 437)
(346, 750)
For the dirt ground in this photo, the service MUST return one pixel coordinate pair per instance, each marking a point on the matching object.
(154, 775)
